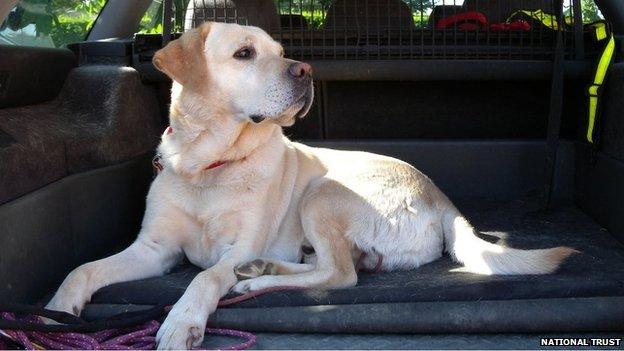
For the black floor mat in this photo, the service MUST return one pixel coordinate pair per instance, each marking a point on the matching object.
(598, 271)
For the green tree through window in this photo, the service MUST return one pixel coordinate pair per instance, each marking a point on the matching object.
(590, 11)
(312, 10)
(52, 23)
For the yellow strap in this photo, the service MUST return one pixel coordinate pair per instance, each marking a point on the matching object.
(599, 76)
(601, 31)
(546, 19)
(549, 21)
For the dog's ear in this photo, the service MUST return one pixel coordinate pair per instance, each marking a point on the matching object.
(183, 59)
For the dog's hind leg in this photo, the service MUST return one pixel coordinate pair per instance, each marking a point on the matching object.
(326, 218)
(267, 266)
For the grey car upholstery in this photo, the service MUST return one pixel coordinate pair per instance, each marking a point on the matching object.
(102, 116)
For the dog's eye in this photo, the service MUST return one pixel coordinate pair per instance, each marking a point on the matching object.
(244, 53)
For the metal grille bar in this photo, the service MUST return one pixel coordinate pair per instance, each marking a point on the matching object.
(401, 29)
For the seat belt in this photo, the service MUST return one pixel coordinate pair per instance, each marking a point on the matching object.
(554, 118)
(603, 35)
(594, 90)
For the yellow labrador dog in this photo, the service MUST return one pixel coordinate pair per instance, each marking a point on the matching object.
(234, 190)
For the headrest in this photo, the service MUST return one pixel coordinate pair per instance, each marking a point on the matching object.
(372, 15)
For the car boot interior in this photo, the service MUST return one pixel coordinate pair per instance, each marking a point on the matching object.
(471, 108)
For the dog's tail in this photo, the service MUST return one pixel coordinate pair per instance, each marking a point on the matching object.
(480, 256)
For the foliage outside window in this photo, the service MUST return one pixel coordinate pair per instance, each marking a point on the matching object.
(151, 23)
(314, 11)
(590, 11)
(50, 23)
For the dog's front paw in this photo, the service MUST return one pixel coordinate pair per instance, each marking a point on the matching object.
(67, 302)
(182, 329)
(72, 296)
(254, 269)
(254, 284)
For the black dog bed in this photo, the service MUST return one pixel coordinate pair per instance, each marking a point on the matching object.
(437, 297)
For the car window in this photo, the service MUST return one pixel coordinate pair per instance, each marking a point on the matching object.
(314, 11)
(151, 23)
(49, 23)
(590, 11)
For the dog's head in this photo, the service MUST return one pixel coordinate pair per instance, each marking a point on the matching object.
(240, 68)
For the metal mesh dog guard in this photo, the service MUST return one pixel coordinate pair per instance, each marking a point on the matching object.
(403, 29)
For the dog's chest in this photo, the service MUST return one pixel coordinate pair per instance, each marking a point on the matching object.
(219, 230)
(206, 249)
(217, 217)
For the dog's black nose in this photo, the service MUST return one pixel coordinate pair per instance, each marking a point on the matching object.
(257, 118)
(300, 69)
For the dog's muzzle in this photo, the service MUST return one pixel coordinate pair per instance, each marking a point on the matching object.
(307, 98)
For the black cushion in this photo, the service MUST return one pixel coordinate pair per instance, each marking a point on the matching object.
(598, 271)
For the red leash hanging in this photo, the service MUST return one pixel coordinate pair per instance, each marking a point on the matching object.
(141, 337)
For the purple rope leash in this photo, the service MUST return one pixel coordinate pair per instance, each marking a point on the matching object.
(142, 337)
(251, 339)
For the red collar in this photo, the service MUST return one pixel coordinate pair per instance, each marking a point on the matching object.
(215, 165)
(158, 166)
